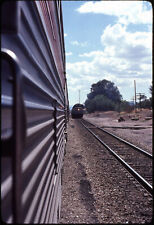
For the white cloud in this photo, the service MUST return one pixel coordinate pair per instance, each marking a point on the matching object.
(126, 45)
(84, 44)
(75, 43)
(125, 56)
(68, 53)
(134, 12)
(91, 54)
(72, 81)
(65, 35)
(81, 44)
(80, 68)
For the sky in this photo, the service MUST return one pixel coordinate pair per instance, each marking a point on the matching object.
(109, 40)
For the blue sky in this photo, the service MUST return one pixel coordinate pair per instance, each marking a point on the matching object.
(107, 40)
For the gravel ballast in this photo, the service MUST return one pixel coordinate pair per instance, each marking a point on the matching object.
(95, 187)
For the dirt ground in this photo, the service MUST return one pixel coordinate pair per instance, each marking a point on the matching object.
(95, 187)
(138, 125)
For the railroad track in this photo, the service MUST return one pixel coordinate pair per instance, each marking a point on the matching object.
(137, 161)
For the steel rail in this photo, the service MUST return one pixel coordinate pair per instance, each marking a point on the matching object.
(137, 176)
(128, 143)
(124, 141)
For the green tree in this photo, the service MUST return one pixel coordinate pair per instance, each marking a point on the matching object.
(125, 106)
(104, 96)
(150, 89)
(102, 103)
(90, 105)
(99, 103)
(146, 104)
(106, 88)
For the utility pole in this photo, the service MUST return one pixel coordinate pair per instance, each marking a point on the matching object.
(79, 96)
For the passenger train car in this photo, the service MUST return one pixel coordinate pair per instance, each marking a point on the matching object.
(77, 111)
(34, 111)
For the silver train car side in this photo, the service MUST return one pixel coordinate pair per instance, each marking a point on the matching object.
(34, 111)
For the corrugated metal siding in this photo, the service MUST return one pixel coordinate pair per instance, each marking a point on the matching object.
(43, 92)
(48, 12)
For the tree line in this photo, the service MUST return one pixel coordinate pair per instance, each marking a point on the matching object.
(105, 96)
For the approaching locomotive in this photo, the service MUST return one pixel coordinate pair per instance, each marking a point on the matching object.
(77, 111)
(34, 107)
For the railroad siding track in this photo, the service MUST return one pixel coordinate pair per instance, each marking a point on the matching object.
(138, 160)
